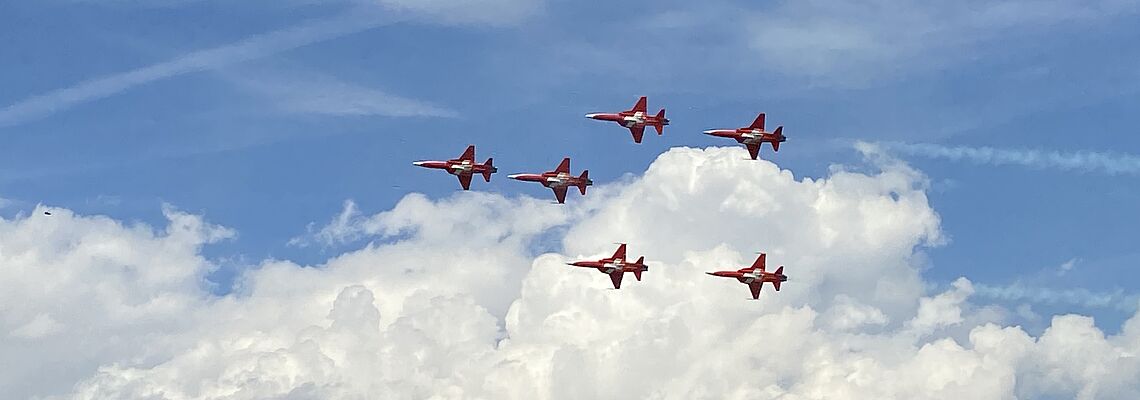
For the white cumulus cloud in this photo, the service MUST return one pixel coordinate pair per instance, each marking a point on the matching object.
(447, 302)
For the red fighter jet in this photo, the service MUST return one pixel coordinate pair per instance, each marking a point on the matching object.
(463, 167)
(635, 119)
(616, 266)
(558, 179)
(753, 136)
(755, 276)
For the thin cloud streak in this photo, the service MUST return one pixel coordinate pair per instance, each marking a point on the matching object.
(1081, 297)
(1087, 161)
(250, 48)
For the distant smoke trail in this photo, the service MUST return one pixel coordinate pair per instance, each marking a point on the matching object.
(1089, 161)
(253, 47)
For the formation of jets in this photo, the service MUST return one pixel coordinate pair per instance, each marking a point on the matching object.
(636, 119)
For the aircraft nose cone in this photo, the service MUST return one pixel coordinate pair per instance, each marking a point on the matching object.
(710, 132)
(515, 176)
(419, 163)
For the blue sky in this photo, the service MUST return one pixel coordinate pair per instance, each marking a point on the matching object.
(333, 101)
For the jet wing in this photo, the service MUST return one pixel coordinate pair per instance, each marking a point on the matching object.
(760, 262)
(620, 253)
(755, 287)
(468, 154)
(615, 277)
(564, 166)
(465, 181)
(758, 123)
(753, 150)
(638, 131)
(641, 105)
(560, 193)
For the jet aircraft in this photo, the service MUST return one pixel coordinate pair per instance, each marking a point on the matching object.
(753, 136)
(463, 167)
(755, 276)
(636, 119)
(616, 266)
(559, 179)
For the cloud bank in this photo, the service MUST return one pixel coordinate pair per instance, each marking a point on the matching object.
(447, 302)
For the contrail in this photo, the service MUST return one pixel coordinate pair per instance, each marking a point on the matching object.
(250, 48)
(1089, 161)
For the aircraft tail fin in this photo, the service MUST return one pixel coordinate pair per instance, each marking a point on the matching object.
(489, 170)
(637, 273)
(660, 125)
(583, 180)
(776, 283)
(779, 134)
